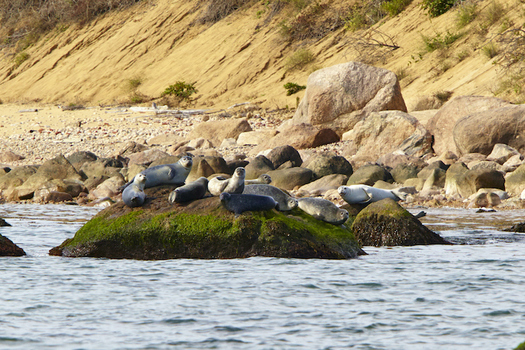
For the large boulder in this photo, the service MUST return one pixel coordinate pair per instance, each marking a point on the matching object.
(474, 179)
(369, 175)
(147, 157)
(380, 133)
(386, 223)
(501, 153)
(205, 229)
(17, 176)
(479, 132)
(255, 137)
(289, 178)
(77, 159)
(218, 130)
(8, 248)
(453, 177)
(515, 181)
(338, 97)
(444, 121)
(300, 137)
(320, 186)
(284, 154)
(102, 167)
(258, 166)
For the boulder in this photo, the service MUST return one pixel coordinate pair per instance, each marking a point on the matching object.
(288, 179)
(234, 164)
(55, 197)
(327, 163)
(205, 229)
(453, 176)
(386, 223)
(255, 137)
(338, 97)
(501, 153)
(444, 121)
(473, 180)
(320, 186)
(147, 157)
(8, 248)
(299, 137)
(396, 158)
(164, 160)
(479, 132)
(131, 147)
(164, 140)
(512, 163)
(380, 133)
(218, 164)
(77, 159)
(108, 188)
(17, 176)
(369, 174)
(201, 143)
(218, 130)
(435, 173)
(402, 172)
(70, 187)
(93, 182)
(515, 181)
(282, 154)
(101, 167)
(200, 168)
(9, 157)
(258, 166)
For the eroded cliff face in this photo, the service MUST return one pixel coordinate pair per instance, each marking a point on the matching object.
(243, 57)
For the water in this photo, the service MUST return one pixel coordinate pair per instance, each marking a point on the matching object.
(466, 296)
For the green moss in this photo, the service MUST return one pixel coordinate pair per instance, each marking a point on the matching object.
(521, 346)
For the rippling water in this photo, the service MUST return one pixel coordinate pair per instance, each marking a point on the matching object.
(466, 296)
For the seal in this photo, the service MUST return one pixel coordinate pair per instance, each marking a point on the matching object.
(263, 179)
(189, 192)
(323, 209)
(133, 195)
(167, 174)
(284, 201)
(239, 203)
(235, 184)
(364, 194)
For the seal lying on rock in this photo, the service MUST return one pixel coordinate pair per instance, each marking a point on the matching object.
(364, 194)
(133, 195)
(167, 174)
(323, 209)
(189, 192)
(263, 179)
(235, 184)
(239, 203)
(284, 201)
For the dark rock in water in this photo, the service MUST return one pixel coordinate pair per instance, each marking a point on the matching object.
(205, 229)
(519, 227)
(8, 248)
(4, 223)
(386, 223)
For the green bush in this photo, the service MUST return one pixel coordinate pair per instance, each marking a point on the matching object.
(180, 89)
(293, 88)
(439, 41)
(490, 50)
(21, 58)
(437, 7)
(466, 14)
(299, 59)
(395, 7)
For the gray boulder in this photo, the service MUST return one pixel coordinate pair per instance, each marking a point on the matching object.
(338, 97)
(473, 180)
(282, 154)
(515, 181)
(453, 176)
(258, 166)
(369, 174)
(501, 153)
(300, 137)
(290, 178)
(320, 186)
(327, 163)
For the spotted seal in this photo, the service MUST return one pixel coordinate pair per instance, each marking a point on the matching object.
(189, 192)
(133, 195)
(167, 174)
(235, 184)
(239, 203)
(263, 179)
(364, 194)
(284, 201)
(323, 209)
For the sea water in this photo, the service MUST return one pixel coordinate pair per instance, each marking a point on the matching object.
(466, 296)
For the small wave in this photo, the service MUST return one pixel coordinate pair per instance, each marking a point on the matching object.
(178, 320)
(497, 313)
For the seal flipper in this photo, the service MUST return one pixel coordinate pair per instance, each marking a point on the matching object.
(369, 195)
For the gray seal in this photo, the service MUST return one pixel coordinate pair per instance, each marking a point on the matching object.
(239, 203)
(133, 195)
(167, 174)
(235, 184)
(364, 194)
(323, 209)
(263, 179)
(284, 201)
(189, 192)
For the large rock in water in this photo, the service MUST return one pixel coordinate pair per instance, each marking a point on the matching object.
(205, 229)
(8, 248)
(338, 97)
(386, 223)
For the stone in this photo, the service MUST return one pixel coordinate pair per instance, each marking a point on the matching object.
(328, 163)
(165, 140)
(8, 248)
(147, 157)
(339, 96)
(290, 178)
(512, 163)
(108, 188)
(78, 159)
(258, 166)
(322, 185)
(369, 174)
(384, 132)
(131, 147)
(453, 176)
(479, 132)
(9, 157)
(402, 172)
(473, 180)
(282, 154)
(515, 181)
(396, 158)
(200, 168)
(299, 137)
(101, 167)
(17, 176)
(205, 229)
(200, 143)
(255, 137)
(444, 121)
(218, 130)
(501, 153)
(386, 223)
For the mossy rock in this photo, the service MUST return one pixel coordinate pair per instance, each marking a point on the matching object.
(386, 223)
(521, 346)
(8, 248)
(205, 229)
